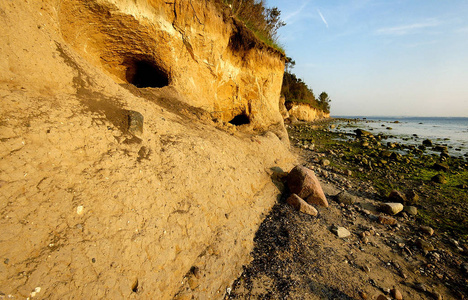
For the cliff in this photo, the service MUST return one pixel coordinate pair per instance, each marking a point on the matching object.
(120, 177)
(305, 112)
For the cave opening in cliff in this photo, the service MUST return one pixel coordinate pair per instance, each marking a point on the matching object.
(143, 74)
(241, 119)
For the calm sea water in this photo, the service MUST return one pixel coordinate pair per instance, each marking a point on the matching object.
(452, 132)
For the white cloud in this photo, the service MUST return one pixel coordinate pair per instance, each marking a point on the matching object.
(407, 29)
(295, 13)
(323, 19)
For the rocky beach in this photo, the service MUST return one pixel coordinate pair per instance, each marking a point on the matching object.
(393, 228)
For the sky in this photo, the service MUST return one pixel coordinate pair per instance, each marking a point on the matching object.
(381, 57)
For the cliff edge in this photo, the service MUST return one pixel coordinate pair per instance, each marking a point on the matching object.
(120, 174)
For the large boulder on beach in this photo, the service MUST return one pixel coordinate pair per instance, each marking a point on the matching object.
(303, 182)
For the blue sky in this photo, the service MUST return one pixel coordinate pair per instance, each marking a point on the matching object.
(381, 58)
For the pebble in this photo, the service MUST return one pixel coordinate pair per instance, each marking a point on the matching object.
(80, 210)
(420, 287)
(387, 220)
(392, 208)
(300, 205)
(427, 230)
(345, 198)
(382, 297)
(396, 294)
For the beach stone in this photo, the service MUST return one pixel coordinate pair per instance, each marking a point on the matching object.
(439, 178)
(427, 143)
(411, 197)
(440, 167)
(397, 196)
(345, 198)
(303, 182)
(387, 220)
(300, 205)
(382, 297)
(361, 133)
(341, 232)
(412, 210)
(391, 208)
(424, 245)
(427, 230)
(396, 294)
(440, 148)
(325, 162)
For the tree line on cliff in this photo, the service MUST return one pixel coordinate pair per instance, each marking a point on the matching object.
(296, 90)
(265, 22)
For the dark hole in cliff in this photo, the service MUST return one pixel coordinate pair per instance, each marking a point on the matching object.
(135, 286)
(143, 74)
(241, 119)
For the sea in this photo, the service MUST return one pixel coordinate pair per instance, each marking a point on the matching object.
(450, 132)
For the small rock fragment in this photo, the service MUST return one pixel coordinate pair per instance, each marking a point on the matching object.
(300, 205)
(135, 122)
(439, 178)
(387, 220)
(80, 210)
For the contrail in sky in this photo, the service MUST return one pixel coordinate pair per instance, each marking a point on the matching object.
(323, 19)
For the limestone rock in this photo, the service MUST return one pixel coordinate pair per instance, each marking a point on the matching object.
(300, 205)
(345, 198)
(341, 232)
(392, 208)
(303, 182)
(387, 220)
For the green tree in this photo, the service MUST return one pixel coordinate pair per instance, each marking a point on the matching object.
(324, 102)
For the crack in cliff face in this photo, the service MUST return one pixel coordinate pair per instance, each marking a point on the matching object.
(185, 40)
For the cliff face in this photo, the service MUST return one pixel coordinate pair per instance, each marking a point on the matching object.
(195, 46)
(94, 205)
(305, 112)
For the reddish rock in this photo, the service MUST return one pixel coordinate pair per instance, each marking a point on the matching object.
(299, 204)
(302, 182)
(387, 220)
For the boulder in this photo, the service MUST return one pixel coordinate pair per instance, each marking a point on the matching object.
(391, 208)
(300, 205)
(303, 182)
(397, 196)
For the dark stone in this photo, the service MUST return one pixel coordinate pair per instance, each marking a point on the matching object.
(440, 167)
(427, 143)
(439, 178)
(135, 122)
(361, 133)
(397, 196)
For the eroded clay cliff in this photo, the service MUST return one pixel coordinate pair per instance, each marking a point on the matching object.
(305, 112)
(92, 208)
